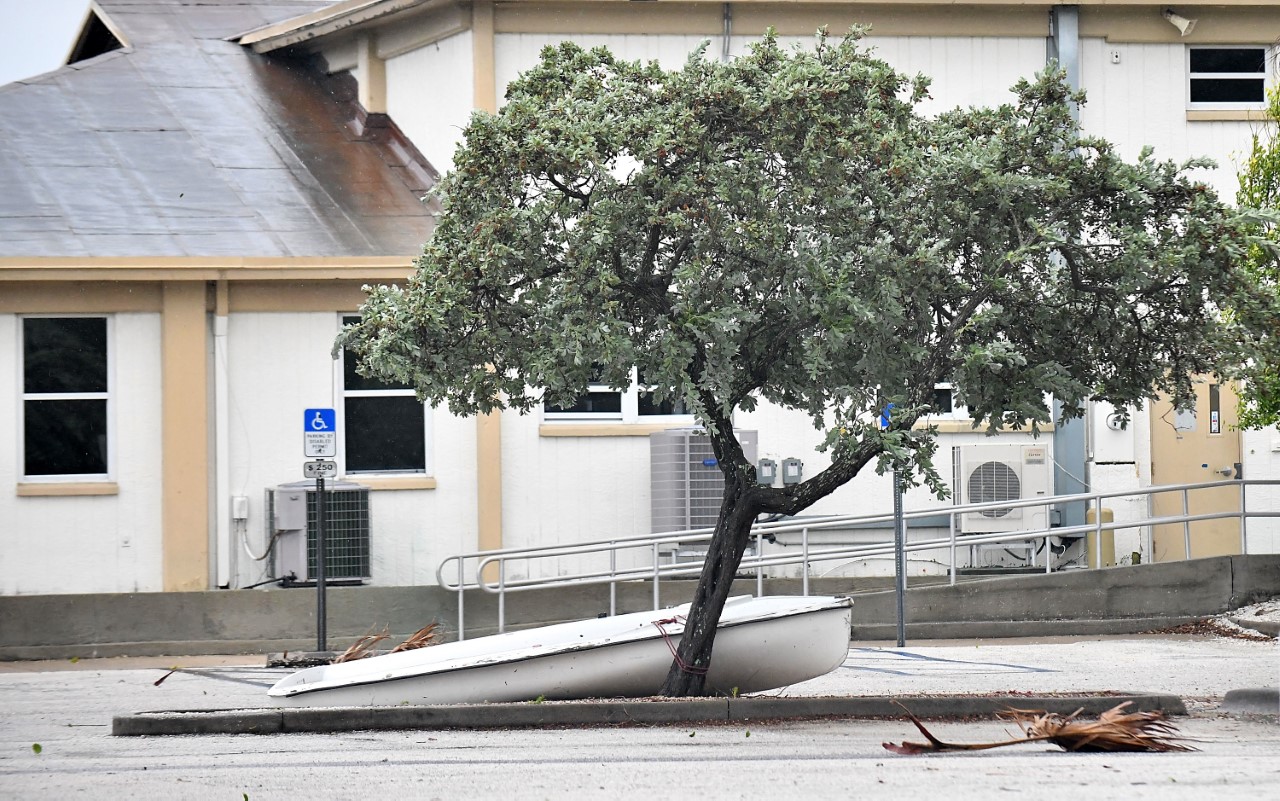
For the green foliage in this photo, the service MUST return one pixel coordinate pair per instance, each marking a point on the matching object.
(1260, 189)
(786, 227)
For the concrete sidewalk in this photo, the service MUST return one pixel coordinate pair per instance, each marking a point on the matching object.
(940, 679)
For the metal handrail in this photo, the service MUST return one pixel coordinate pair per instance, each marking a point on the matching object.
(496, 561)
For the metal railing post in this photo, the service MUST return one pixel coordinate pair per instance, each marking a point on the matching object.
(613, 578)
(655, 577)
(502, 595)
(804, 564)
(462, 635)
(1097, 532)
(951, 539)
(1244, 533)
(1186, 526)
(759, 566)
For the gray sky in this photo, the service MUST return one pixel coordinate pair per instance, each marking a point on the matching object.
(35, 35)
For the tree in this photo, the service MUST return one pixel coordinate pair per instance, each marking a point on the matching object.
(786, 228)
(1260, 189)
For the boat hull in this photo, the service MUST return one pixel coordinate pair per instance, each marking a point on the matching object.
(761, 644)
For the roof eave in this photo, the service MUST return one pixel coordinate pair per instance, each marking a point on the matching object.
(343, 17)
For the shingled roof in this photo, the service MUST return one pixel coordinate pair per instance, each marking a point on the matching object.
(182, 143)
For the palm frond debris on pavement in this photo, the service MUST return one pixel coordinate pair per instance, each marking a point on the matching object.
(1114, 730)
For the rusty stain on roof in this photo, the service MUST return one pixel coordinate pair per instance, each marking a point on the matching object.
(184, 144)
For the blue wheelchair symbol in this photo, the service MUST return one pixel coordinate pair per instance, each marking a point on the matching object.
(319, 420)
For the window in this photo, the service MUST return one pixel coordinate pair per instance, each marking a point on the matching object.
(944, 403)
(634, 404)
(384, 425)
(66, 397)
(1227, 77)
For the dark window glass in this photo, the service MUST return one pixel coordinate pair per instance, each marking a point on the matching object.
(593, 402)
(65, 437)
(351, 380)
(64, 354)
(384, 434)
(942, 401)
(647, 405)
(1226, 90)
(1230, 59)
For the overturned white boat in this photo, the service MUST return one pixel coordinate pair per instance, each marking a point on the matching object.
(761, 644)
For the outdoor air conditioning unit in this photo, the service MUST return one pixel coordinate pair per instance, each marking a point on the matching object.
(686, 485)
(1006, 472)
(291, 518)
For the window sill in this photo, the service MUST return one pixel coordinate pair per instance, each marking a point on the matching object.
(965, 426)
(38, 489)
(605, 429)
(1227, 115)
(393, 482)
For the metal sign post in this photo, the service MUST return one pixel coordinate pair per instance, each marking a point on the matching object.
(899, 542)
(320, 440)
(900, 558)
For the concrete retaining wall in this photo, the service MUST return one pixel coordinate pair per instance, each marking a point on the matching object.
(1117, 600)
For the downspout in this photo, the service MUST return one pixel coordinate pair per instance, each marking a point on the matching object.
(728, 32)
(1072, 452)
(221, 440)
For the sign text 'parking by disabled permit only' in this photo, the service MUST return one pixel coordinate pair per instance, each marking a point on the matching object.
(319, 433)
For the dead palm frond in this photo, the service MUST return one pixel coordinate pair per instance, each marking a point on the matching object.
(1114, 730)
(362, 647)
(421, 638)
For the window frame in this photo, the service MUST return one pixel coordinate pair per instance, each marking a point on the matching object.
(1265, 76)
(341, 393)
(108, 396)
(629, 411)
(958, 410)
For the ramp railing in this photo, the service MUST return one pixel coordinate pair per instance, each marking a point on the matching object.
(652, 557)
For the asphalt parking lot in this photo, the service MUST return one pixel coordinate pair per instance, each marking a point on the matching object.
(66, 709)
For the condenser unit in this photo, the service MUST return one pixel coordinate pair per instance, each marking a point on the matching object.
(291, 518)
(686, 485)
(1005, 472)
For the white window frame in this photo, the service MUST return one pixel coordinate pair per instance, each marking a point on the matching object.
(958, 410)
(342, 393)
(1267, 76)
(629, 412)
(108, 396)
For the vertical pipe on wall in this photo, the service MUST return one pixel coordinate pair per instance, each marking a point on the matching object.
(728, 32)
(221, 441)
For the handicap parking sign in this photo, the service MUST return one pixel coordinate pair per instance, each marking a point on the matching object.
(319, 433)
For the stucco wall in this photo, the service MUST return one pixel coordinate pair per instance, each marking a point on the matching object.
(280, 364)
(91, 543)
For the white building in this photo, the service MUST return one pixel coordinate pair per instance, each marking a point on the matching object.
(230, 199)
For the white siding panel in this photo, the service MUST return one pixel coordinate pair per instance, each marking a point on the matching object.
(430, 95)
(108, 543)
(1142, 101)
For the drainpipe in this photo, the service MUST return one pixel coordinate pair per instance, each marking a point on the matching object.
(222, 440)
(1071, 441)
(728, 32)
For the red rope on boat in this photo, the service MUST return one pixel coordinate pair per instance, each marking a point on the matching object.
(684, 666)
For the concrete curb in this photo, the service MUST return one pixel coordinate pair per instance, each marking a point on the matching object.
(1252, 701)
(600, 713)
(1271, 628)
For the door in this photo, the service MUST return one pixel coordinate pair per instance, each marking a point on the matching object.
(1191, 447)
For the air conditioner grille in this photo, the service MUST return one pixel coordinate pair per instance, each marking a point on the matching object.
(992, 482)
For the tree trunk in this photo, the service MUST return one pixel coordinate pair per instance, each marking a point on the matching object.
(687, 676)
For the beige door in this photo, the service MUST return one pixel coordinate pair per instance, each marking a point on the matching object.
(1192, 447)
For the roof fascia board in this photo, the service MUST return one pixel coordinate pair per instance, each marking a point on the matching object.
(436, 25)
(344, 17)
(205, 268)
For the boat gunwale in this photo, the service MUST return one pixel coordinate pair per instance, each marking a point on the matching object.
(639, 635)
